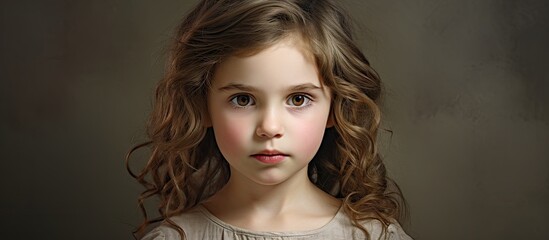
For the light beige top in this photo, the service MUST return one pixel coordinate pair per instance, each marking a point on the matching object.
(199, 223)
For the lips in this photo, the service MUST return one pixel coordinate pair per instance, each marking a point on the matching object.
(270, 156)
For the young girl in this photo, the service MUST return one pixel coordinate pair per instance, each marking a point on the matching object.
(265, 126)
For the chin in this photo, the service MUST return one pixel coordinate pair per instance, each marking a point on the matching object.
(269, 179)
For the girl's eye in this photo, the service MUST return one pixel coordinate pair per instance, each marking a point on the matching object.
(242, 100)
(298, 100)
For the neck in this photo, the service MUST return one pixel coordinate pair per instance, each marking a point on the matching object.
(277, 198)
(242, 194)
(293, 204)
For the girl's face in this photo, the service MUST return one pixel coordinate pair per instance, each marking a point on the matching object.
(269, 112)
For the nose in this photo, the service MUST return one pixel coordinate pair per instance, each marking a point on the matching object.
(270, 125)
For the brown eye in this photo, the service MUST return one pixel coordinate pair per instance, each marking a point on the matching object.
(298, 100)
(242, 100)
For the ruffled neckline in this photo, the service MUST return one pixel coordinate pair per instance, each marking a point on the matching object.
(242, 231)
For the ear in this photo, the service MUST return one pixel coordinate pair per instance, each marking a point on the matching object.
(206, 120)
(330, 121)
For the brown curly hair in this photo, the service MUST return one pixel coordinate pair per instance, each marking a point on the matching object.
(186, 167)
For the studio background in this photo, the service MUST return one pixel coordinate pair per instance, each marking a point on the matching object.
(466, 97)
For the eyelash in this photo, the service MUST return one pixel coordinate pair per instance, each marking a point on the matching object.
(234, 98)
(307, 98)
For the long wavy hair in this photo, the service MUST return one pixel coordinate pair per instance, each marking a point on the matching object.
(186, 167)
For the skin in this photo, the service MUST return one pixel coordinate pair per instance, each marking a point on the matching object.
(271, 101)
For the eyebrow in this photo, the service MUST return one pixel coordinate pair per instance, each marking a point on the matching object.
(246, 88)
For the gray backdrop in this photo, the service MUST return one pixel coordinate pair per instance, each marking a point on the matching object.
(465, 96)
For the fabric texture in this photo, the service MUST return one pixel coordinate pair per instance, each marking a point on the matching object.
(199, 223)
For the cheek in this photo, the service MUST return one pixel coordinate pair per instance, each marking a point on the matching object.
(308, 138)
(231, 134)
(228, 135)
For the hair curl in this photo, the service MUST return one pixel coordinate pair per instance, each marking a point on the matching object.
(183, 149)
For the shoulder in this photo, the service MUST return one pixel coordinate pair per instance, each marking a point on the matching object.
(345, 229)
(191, 222)
(162, 232)
(394, 230)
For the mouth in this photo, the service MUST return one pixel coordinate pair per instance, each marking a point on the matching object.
(270, 156)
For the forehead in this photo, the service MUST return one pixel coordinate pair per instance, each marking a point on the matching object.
(287, 62)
